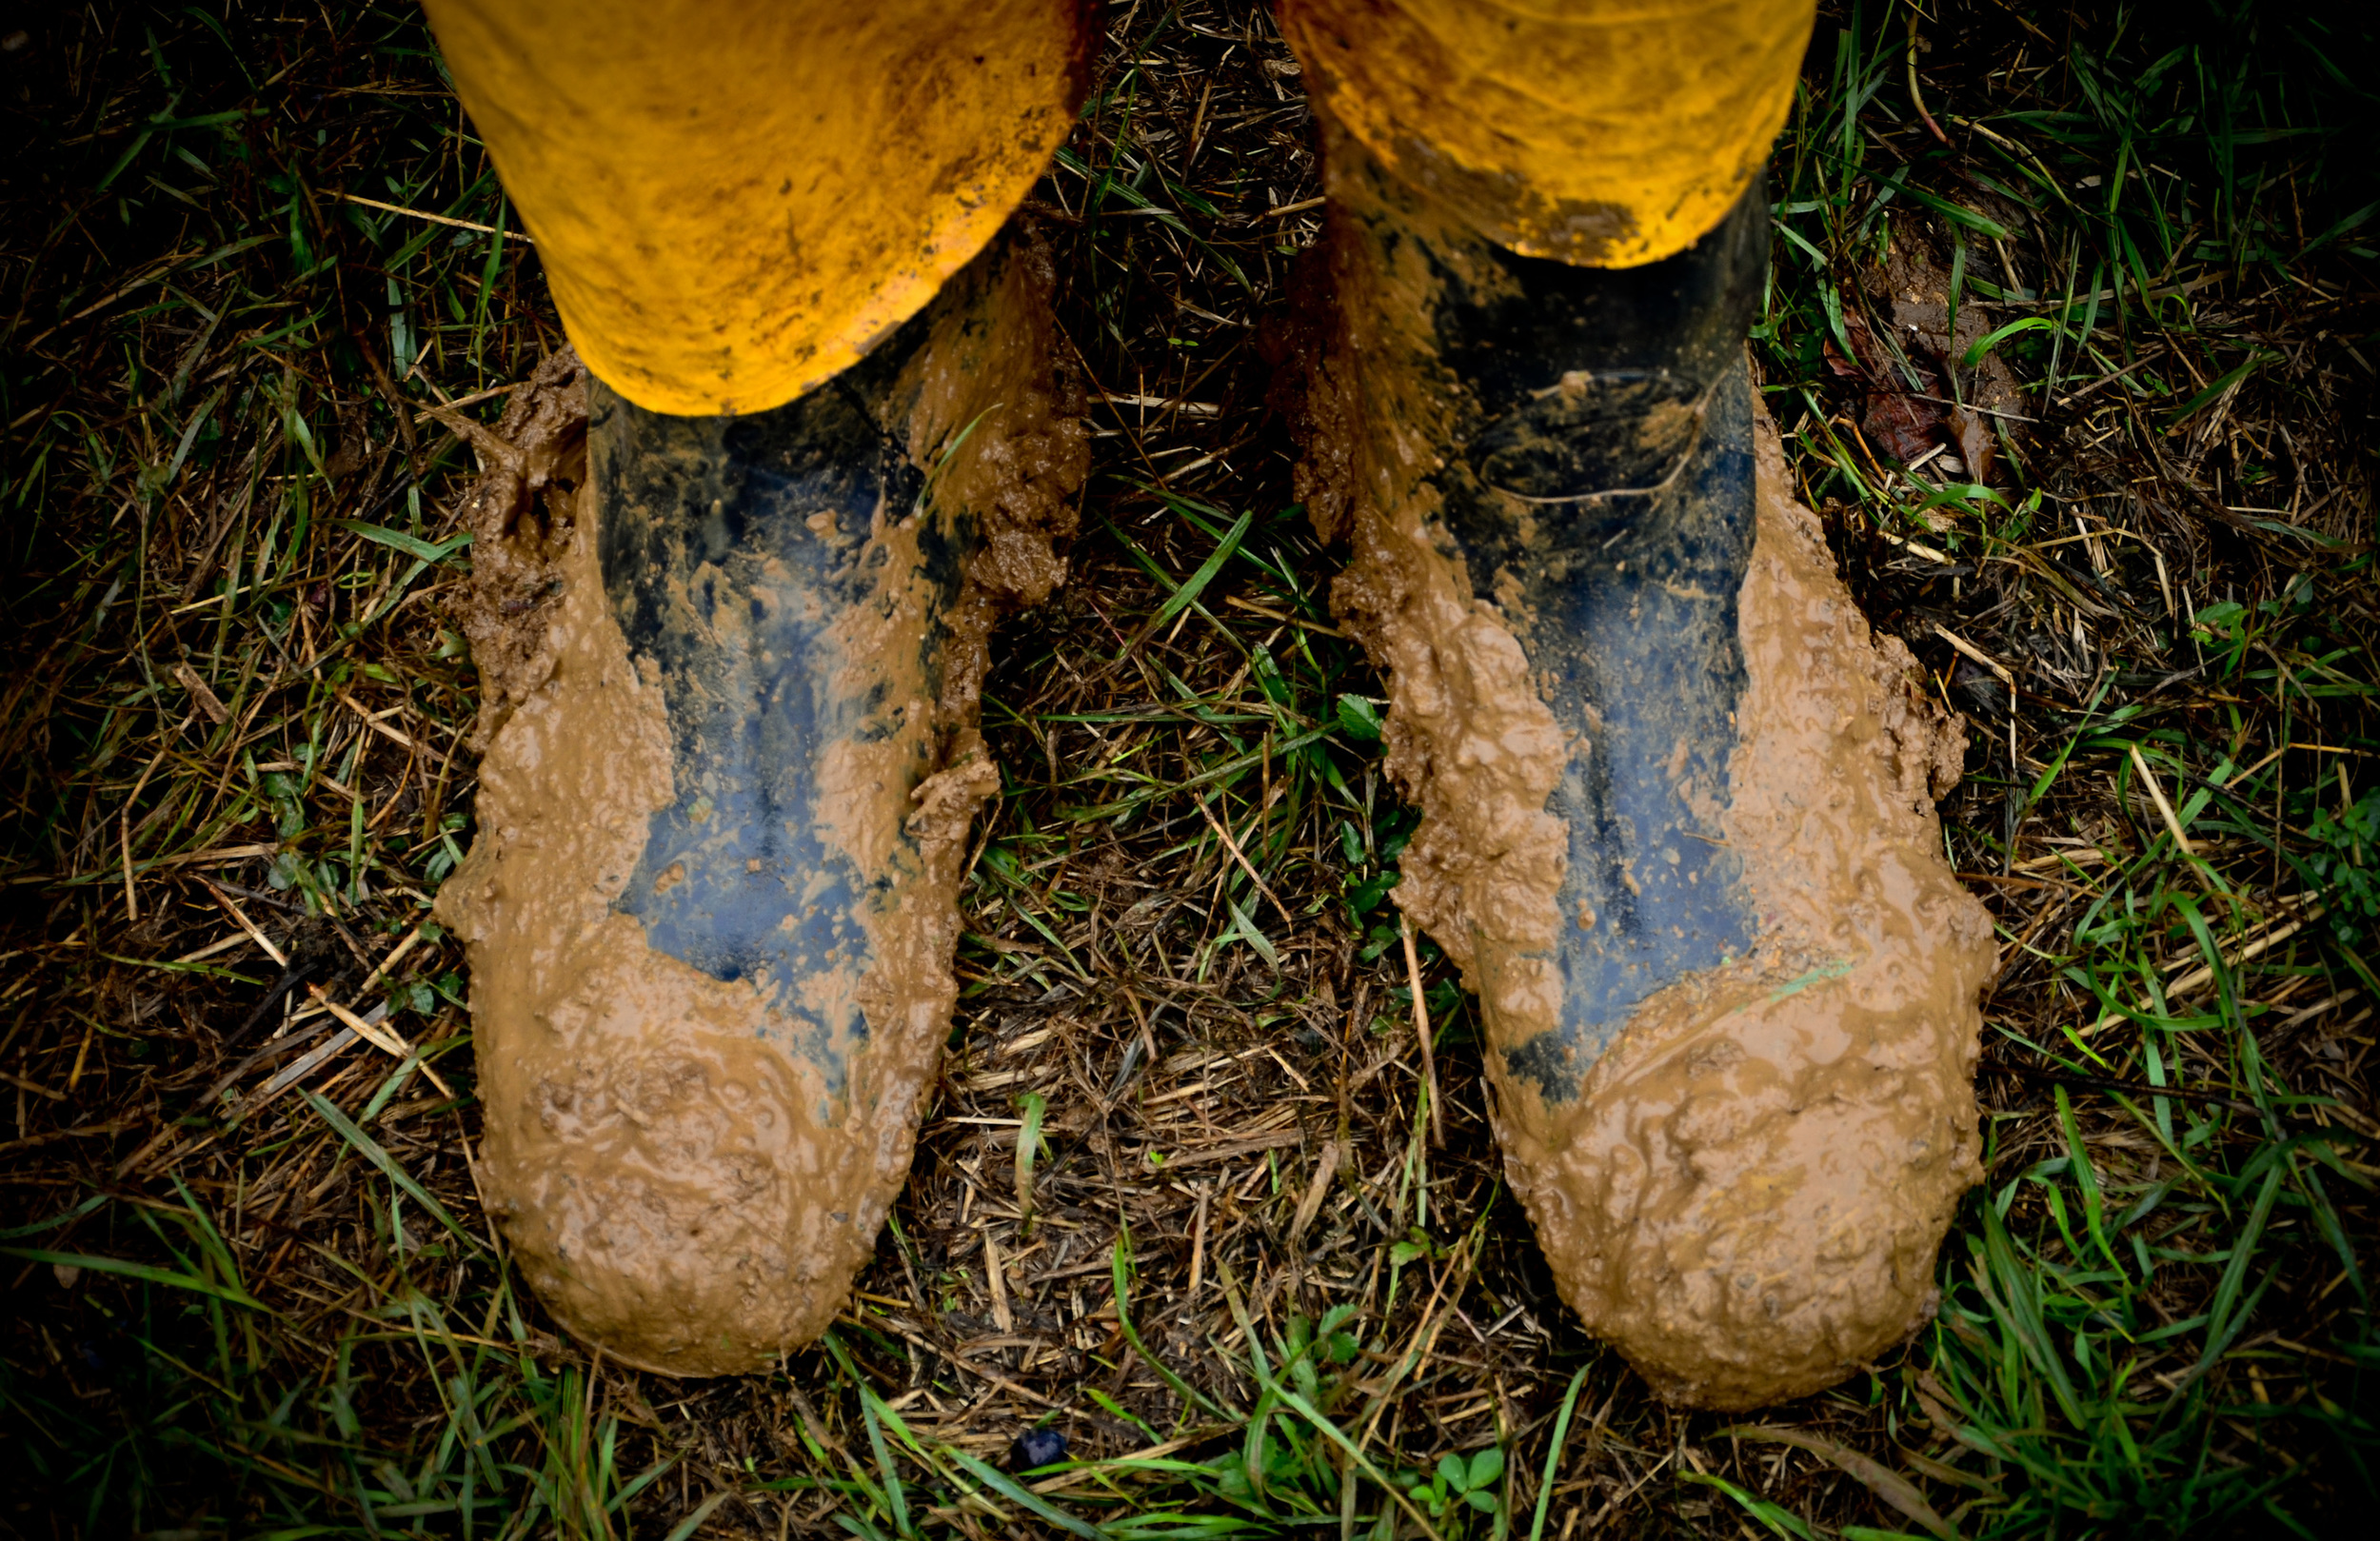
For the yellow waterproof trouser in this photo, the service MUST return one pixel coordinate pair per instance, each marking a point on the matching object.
(734, 199)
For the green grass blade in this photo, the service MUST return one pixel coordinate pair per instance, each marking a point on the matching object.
(370, 1149)
(1032, 1503)
(1120, 1266)
(1554, 1451)
(1778, 1521)
(1192, 587)
(137, 1271)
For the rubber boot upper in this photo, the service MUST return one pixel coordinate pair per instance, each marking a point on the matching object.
(1676, 798)
(710, 911)
(1604, 501)
(737, 559)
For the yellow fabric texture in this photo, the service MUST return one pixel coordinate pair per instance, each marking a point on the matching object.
(733, 199)
(1605, 132)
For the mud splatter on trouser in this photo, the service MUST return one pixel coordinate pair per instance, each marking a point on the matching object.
(734, 199)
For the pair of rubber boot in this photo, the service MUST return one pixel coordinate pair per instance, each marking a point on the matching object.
(1677, 803)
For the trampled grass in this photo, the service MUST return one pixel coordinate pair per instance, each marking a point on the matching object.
(2071, 330)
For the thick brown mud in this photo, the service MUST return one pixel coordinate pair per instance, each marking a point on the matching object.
(1748, 1192)
(1748, 1195)
(523, 512)
(678, 1188)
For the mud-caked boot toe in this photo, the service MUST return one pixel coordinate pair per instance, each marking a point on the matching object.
(710, 912)
(1677, 825)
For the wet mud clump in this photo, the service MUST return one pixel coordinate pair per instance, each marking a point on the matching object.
(523, 512)
(1747, 1191)
(689, 1168)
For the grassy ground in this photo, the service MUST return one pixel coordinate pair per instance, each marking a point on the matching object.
(2071, 331)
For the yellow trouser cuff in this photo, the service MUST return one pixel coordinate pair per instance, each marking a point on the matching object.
(1602, 132)
(734, 199)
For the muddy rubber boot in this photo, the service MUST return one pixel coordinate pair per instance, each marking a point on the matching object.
(1678, 802)
(711, 910)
